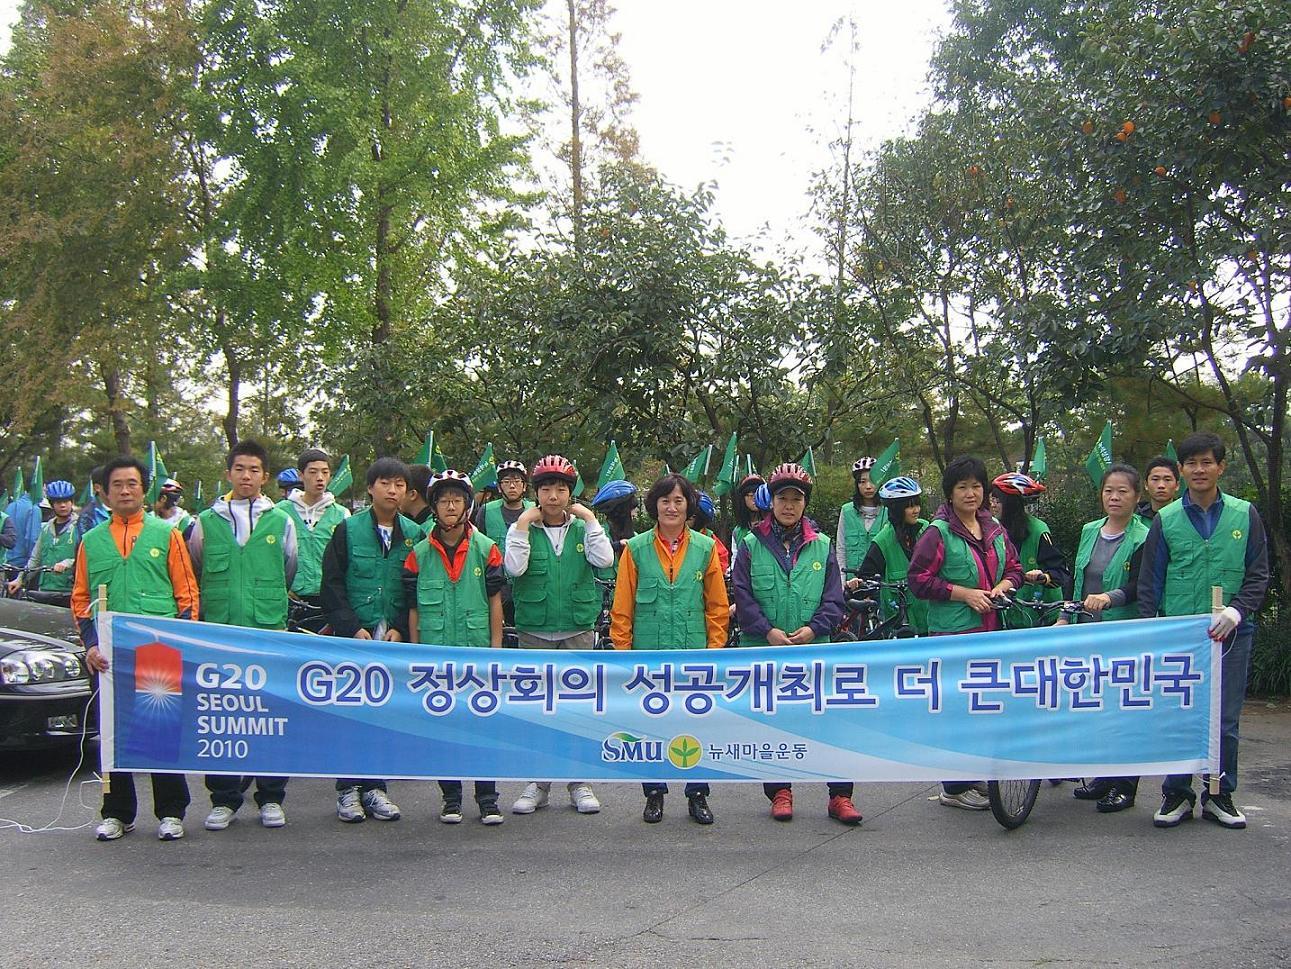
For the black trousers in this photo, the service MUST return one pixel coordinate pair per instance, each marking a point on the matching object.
(169, 796)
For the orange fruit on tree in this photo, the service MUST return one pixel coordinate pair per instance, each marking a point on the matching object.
(1286, 102)
(1121, 136)
(1088, 126)
(1160, 170)
(1128, 127)
(1120, 196)
(1215, 117)
(1248, 39)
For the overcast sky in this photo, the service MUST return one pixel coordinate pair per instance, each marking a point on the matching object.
(739, 92)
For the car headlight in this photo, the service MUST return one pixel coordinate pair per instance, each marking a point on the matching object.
(29, 666)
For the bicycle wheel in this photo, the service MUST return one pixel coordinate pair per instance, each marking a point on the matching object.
(1012, 801)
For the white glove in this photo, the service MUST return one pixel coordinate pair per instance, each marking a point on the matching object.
(1224, 623)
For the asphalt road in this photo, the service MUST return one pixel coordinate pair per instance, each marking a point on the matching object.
(917, 884)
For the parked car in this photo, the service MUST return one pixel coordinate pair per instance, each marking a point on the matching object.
(44, 682)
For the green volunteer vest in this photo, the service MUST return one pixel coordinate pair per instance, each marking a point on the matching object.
(453, 613)
(495, 526)
(670, 614)
(557, 593)
(179, 523)
(896, 568)
(1196, 564)
(52, 549)
(138, 583)
(738, 534)
(959, 568)
(1117, 572)
(788, 601)
(310, 545)
(855, 538)
(373, 578)
(244, 585)
(1028, 556)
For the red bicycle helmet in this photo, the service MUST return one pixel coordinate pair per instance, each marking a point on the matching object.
(1016, 483)
(789, 476)
(749, 484)
(554, 467)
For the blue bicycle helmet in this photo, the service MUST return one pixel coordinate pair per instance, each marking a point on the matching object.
(289, 479)
(762, 498)
(706, 506)
(614, 491)
(60, 491)
(899, 488)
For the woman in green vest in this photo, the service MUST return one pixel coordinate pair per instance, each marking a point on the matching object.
(670, 594)
(746, 511)
(1106, 582)
(56, 547)
(453, 580)
(889, 554)
(859, 520)
(1043, 567)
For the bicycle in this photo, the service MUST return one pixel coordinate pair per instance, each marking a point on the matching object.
(862, 622)
(1012, 800)
(61, 599)
(304, 616)
(602, 627)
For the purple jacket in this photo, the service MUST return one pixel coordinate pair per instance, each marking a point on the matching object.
(930, 554)
(753, 620)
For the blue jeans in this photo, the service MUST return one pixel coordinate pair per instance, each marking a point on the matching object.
(1236, 665)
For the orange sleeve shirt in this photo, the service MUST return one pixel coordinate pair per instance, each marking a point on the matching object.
(125, 531)
(716, 605)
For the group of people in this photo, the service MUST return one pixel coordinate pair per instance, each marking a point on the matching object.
(422, 563)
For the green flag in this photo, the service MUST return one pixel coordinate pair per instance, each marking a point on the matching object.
(431, 455)
(1170, 452)
(808, 462)
(157, 473)
(698, 466)
(887, 465)
(197, 496)
(37, 491)
(1040, 461)
(1100, 458)
(579, 486)
(485, 474)
(87, 495)
(19, 484)
(611, 468)
(728, 475)
(4, 501)
(343, 478)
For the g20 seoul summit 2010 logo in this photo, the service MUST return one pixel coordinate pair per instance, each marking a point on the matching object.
(682, 751)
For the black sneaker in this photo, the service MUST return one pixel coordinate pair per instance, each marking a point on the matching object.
(451, 812)
(1222, 811)
(1175, 809)
(489, 813)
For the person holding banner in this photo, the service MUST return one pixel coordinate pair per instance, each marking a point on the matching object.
(788, 592)
(363, 595)
(671, 594)
(244, 556)
(1162, 486)
(859, 520)
(551, 551)
(960, 564)
(315, 512)
(889, 554)
(144, 564)
(1208, 539)
(1106, 583)
(453, 580)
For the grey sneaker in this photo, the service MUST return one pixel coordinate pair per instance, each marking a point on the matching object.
(171, 829)
(348, 807)
(533, 796)
(968, 800)
(112, 828)
(272, 815)
(219, 818)
(583, 799)
(378, 804)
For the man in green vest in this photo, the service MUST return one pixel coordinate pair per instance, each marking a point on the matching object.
(671, 594)
(550, 554)
(453, 580)
(315, 512)
(145, 567)
(56, 547)
(495, 517)
(1161, 486)
(1207, 539)
(244, 555)
(363, 596)
(789, 592)
(859, 520)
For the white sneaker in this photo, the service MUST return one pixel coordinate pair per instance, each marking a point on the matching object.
(378, 804)
(969, 800)
(219, 818)
(1223, 811)
(171, 829)
(533, 796)
(272, 815)
(349, 808)
(111, 828)
(583, 799)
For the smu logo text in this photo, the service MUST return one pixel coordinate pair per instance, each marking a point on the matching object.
(623, 748)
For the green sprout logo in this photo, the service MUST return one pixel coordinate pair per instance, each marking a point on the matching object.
(684, 751)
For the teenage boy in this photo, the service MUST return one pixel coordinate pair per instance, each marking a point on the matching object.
(1207, 539)
(56, 547)
(363, 596)
(551, 551)
(416, 501)
(96, 512)
(671, 594)
(789, 592)
(315, 512)
(244, 555)
(145, 567)
(1161, 485)
(453, 580)
(495, 517)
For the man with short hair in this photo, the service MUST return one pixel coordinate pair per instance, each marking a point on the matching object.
(416, 501)
(96, 512)
(1161, 484)
(145, 568)
(1207, 539)
(244, 555)
(315, 512)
